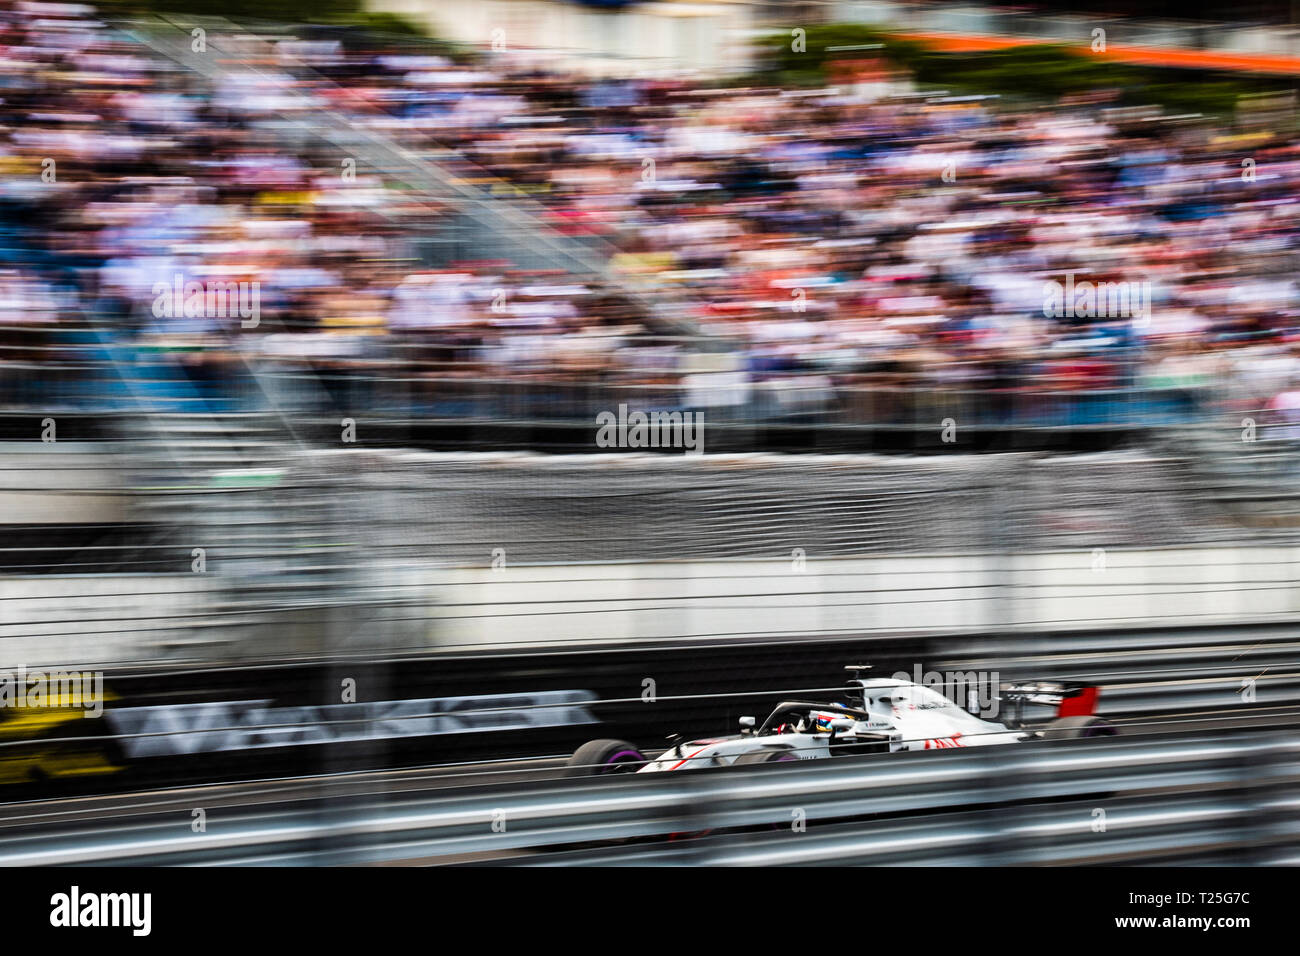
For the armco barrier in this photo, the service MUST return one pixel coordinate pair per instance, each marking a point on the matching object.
(1191, 799)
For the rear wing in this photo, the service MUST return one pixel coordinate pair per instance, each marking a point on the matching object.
(1070, 700)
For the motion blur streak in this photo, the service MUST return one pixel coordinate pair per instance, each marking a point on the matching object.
(393, 422)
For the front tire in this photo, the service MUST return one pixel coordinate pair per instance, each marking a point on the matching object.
(597, 758)
(1072, 728)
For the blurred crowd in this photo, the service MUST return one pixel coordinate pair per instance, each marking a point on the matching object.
(858, 235)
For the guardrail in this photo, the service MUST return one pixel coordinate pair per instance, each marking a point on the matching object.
(394, 391)
(1218, 671)
(810, 400)
(1192, 799)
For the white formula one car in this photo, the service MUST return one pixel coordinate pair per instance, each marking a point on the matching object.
(882, 715)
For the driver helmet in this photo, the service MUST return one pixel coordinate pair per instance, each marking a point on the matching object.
(822, 718)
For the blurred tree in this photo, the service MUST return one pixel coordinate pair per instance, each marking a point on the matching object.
(339, 12)
(1040, 71)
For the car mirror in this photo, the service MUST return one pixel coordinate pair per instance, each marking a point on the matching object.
(842, 723)
(747, 723)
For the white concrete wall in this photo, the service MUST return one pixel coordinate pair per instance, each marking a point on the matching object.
(667, 39)
(60, 483)
(68, 621)
(48, 620)
(844, 596)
